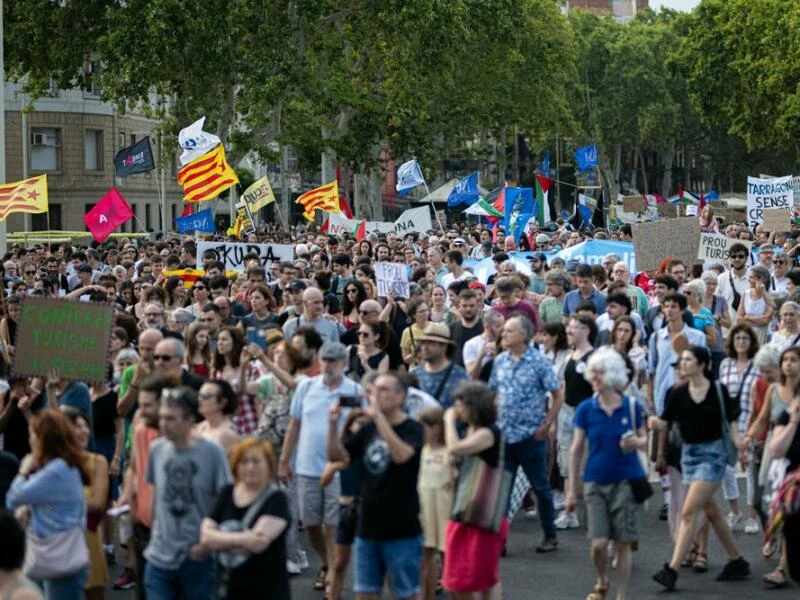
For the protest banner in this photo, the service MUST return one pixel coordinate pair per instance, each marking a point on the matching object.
(668, 210)
(392, 277)
(232, 254)
(413, 219)
(69, 337)
(777, 219)
(259, 194)
(633, 204)
(691, 210)
(243, 213)
(201, 222)
(671, 238)
(764, 194)
(715, 247)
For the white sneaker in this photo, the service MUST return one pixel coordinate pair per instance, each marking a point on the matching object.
(752, 526)
(293, 568)
(302, 559)
(735, 521)
(531, 513)
(558, 501)
(567, 521)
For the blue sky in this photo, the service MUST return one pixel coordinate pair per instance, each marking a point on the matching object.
(676, 4)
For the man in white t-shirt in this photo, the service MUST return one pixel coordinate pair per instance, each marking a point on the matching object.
(481, 349)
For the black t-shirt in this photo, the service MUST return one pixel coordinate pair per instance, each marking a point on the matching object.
(350, 338)
(794, 448)
(104, 413)
(15, 436)
(251, 320)
(266, 570)
(699, 422)
(461, 335)
(389, 507)
(9, 465)
(576, 388)
(193, 381)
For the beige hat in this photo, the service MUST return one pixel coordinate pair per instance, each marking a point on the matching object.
(436, 332)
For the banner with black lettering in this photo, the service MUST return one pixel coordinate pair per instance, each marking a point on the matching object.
(764, 194)
(232, 255)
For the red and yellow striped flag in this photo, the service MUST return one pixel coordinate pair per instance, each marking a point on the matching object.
(206, 177)
(325, 198)
(29, 195)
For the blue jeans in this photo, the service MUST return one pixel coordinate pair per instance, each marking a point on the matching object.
(531, 455)
(397, 560)
(66, 588)
(193, 579)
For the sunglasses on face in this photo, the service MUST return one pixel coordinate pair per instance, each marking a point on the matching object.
(163, 357)
(735, 256)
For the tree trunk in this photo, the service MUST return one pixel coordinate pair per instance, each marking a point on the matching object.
(669, 159)
(635, 170)
(646, 182)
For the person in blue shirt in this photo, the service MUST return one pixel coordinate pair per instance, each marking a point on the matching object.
(584, 291)
(614, 426)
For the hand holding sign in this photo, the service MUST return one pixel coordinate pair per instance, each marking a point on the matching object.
(392, 278)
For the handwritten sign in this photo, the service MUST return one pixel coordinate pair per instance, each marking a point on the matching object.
(765, 194)
(633, 204)
(777, 219)
(673, 238)
(232, 254)
(70, 337)
(392, 277)
(668, 210)
(715, 247)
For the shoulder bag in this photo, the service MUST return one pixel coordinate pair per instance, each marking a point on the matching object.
(482, 492)
(57, 556)
(731, 452)
(640, 486)
(228, 559)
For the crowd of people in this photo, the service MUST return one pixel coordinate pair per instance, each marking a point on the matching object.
(250, 418)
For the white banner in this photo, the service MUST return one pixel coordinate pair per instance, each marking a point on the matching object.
(232, 254)
(764, 194)
(414, 219)
(339, 225)
(392, 277)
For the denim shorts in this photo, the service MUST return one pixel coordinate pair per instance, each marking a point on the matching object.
(398, 560)
(704, 462)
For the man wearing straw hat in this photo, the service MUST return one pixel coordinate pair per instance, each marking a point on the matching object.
(436, 373)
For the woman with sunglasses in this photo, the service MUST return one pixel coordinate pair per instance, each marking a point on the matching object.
(369, 355)
(200, 296)
(354, 295)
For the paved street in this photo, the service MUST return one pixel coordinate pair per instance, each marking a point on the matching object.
(568, 573)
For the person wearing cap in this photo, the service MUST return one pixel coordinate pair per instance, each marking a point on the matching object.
(460, 245)
(436, 373)
(83, 276)
(556, 284)
(307, 433)
(542, 241)
(313, 316)
(480, 291)
(538, 262)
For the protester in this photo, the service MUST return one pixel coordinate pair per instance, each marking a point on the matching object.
(437, 374)
(419, 313)
(217, 402)
(13, 584)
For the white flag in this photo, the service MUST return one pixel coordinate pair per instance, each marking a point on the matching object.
(196, 142)
(409, 176)
(414, 219)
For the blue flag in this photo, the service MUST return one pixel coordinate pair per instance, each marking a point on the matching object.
(546, 165)
(519, 208)
(409, 176)
(465, 191)
(586, 157)
(201, 222)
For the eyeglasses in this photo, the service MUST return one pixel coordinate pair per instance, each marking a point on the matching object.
(30, 272)
(164, 357)
(199, 287)
(352, 291)
(779, 262)
(366, 313)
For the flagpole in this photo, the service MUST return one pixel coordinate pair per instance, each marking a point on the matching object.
(430, 200)
(140, 223)
(3, 237)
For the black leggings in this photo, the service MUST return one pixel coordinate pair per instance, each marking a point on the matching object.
(791, 532)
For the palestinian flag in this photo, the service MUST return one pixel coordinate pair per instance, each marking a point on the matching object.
(543, 185)
(482, 208)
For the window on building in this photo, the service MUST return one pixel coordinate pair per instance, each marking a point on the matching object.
(93, 149)
(120, 139)
(148, 223)
(45, 149)
(39, 222)
(133, 139)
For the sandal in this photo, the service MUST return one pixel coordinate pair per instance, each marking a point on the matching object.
(700, 563)
(690, 557)
(776, 579)
(770, 547)
(599, 592)
(320, 581)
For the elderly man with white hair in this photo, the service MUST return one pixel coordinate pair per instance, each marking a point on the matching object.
(620, 272)
(314, 316)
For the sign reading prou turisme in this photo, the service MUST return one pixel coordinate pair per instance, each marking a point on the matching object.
(67, 336)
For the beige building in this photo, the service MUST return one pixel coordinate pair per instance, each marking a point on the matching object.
(72, 136)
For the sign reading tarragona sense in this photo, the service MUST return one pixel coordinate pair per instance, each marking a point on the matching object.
(68, 336)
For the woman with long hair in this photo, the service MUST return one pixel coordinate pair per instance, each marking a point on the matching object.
(50, 485)
(553, 342)
(199, 296)
(354, 295)
(96, 494)
(472, 554)
(777, 399)
(176, 293)
(623, 340)
(708, 224)
(699, 407)
(216, 403)
(418, 314)
(369, 355)
(136, 307)
(757, 307)
(198, 349)
(614, 426)
(117, 341)
(9, 324)
(737, 373)
(233, 367)
(257, 550)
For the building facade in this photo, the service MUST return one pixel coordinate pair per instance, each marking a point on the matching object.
(622, 10)
(72, 136)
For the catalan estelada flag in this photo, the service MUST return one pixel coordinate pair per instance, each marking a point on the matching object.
(325, 198)
(206, 177)
(28, 196)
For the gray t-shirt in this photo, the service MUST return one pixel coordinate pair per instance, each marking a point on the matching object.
(186, 485)
(328, 329)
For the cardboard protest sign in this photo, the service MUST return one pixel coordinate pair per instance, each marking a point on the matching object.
(673, 238)
(777, 219)
(633, 204)
(68, 336)
(715, 247)
(392, 277)
(232, 254)
(764, 194)
(668, 210)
